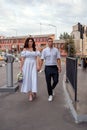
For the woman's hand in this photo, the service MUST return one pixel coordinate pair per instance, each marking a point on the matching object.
(38, 68)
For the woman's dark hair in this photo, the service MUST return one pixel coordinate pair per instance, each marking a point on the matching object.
(26, 44)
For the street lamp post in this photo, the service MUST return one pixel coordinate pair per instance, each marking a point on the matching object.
(51, 26)
(40, 28)
(69, 47)
(16, 37)
(55, 29)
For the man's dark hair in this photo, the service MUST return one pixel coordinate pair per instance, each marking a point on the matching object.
(49, 38)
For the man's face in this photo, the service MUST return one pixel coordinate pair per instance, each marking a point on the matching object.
(50, 43)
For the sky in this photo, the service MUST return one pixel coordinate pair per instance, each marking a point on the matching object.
(36, 17)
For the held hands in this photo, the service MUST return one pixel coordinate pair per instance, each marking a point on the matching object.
(38, 68)
(59, 69)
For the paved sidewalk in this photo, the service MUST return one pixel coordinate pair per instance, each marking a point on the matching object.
(82, 91)
(80, 107)
(17, 113)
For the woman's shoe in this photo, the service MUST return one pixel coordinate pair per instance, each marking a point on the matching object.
(30, 97)
(34, 95)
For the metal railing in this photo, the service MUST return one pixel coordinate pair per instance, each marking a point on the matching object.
(71, 73)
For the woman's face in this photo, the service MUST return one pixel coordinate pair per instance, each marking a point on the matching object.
(30, 43)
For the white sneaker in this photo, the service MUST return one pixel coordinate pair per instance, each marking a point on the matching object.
(50, 98)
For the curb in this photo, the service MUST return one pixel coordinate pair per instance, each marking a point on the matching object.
(78, 117)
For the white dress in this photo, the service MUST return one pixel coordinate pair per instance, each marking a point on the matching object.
(29, 71)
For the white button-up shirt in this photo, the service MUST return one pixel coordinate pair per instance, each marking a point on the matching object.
(50, 55)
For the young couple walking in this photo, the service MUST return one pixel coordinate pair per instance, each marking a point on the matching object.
(32, 61)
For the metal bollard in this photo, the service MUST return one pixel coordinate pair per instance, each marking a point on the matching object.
(9, 87)
(9, 70)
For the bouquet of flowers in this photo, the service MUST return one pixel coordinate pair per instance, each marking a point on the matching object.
(20, 77)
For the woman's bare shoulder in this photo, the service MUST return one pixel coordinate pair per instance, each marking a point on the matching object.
(24, 49)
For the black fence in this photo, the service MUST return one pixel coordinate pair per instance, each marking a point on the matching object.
(71, 73)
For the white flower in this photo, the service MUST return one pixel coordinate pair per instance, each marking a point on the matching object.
(19, 76)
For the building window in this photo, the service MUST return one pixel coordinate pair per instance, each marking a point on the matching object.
(38, 39)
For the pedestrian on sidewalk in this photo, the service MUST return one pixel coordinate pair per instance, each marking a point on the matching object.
(29, 68)
(51, 55)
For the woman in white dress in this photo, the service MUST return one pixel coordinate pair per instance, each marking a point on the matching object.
(30, 67)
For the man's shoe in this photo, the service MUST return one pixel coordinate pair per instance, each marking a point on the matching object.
(50, 98)
(53, 93)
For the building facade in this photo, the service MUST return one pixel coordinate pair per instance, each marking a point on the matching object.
(79, 33)
(16, 44)
(60, 45)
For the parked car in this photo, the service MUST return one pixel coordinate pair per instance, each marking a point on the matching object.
(1, 58)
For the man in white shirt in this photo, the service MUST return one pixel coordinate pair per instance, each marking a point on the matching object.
(51, 55)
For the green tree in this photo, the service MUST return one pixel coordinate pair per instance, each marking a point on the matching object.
(64, 36)
(70, 47)
(69, 44)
